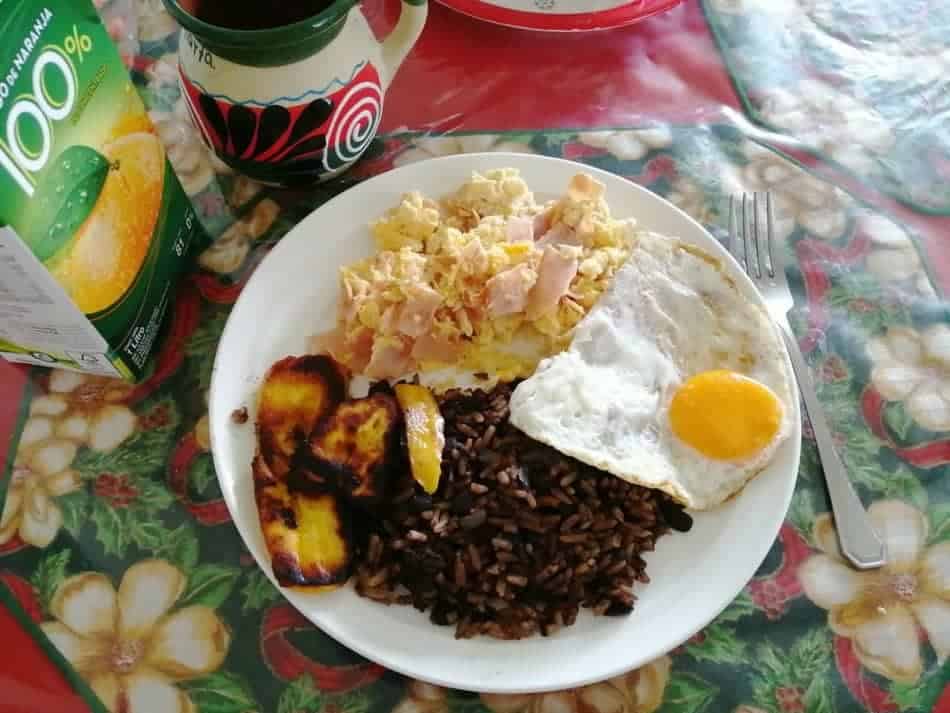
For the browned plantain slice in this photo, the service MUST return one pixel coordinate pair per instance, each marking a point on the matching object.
(357, 446)
(308, 536)
(297, 392)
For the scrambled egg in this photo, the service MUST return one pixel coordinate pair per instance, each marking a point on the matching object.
(455, 281)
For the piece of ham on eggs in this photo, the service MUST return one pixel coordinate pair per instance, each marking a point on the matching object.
(674, 380)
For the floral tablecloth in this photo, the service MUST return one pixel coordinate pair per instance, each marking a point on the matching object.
(126, 587)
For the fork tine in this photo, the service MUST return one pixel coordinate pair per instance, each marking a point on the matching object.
(763, 243)
(776, 261)
(752, 247)
(733, 237)
(743, 257)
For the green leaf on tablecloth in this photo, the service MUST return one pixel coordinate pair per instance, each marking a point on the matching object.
(301, 696)
(783, 677)
(687, 693)
(202, 344)
(803, 512)
(221, 692)
(898, 420)
(110, 528)
(257, 592)
(48, 575)
(741, 607)
(75, 509)
(861, 456)
(201, 474)
(358, 701)
(458, 702)
(819, 696)
(922, 695)
(210, 585)
(143, 453)
(179, 546)
(719, 645)
(939, 522)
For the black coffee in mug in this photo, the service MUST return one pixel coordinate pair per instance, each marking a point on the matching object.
(253, 14)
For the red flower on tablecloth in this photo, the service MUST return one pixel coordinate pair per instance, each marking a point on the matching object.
(833, 369)
(158, 417)
(861, 306)
(117, 489)
(790, 699)
(882, 611)
(130, 644)
(771, 598)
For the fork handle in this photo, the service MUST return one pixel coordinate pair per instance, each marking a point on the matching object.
(859, 542)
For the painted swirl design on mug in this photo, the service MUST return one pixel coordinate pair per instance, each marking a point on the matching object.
(312, 137)
(353, 124)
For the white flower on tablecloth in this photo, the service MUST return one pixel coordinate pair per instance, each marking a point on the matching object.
(914, 367)
(227, 254)
(193, 161)
(797, 197)
(154, 21)
(78, 410)
(881, 610)
(129, 645)
(830, 122)
(690, 197)
(426, 147)
(893, 257)
(184, 147)
(628, 144)
(85, 410)
(639, 691)
(40, 474)
(423, 698)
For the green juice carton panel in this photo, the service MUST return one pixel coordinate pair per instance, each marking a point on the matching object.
(94, 227)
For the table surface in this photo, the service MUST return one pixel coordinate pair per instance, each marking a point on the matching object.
(839, 107)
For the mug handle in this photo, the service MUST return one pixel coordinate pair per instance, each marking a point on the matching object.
(412, 19)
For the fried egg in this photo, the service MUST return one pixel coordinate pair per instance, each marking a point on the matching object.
(674, 380)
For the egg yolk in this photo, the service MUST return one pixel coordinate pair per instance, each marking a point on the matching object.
(725, 415)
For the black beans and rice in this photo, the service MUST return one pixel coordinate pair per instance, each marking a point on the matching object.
(517, 538)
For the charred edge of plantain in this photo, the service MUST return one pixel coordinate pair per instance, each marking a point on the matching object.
(357, 447)
(283, 424)
(308, 536)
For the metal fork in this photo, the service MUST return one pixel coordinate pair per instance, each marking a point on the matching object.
(762, 258)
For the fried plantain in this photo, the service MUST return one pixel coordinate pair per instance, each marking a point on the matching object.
(356, 448)
(308, 535)
(297, 393)
(425, 435)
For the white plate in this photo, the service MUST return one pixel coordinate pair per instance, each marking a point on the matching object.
(561, 15)
(293, 294)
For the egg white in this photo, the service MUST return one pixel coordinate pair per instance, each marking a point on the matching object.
(670, 313)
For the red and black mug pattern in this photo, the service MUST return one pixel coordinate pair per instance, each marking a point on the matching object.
(291, 141)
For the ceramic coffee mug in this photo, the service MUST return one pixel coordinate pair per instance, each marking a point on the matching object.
(295, 104)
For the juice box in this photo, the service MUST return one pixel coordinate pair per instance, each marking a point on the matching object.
(94, 225)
